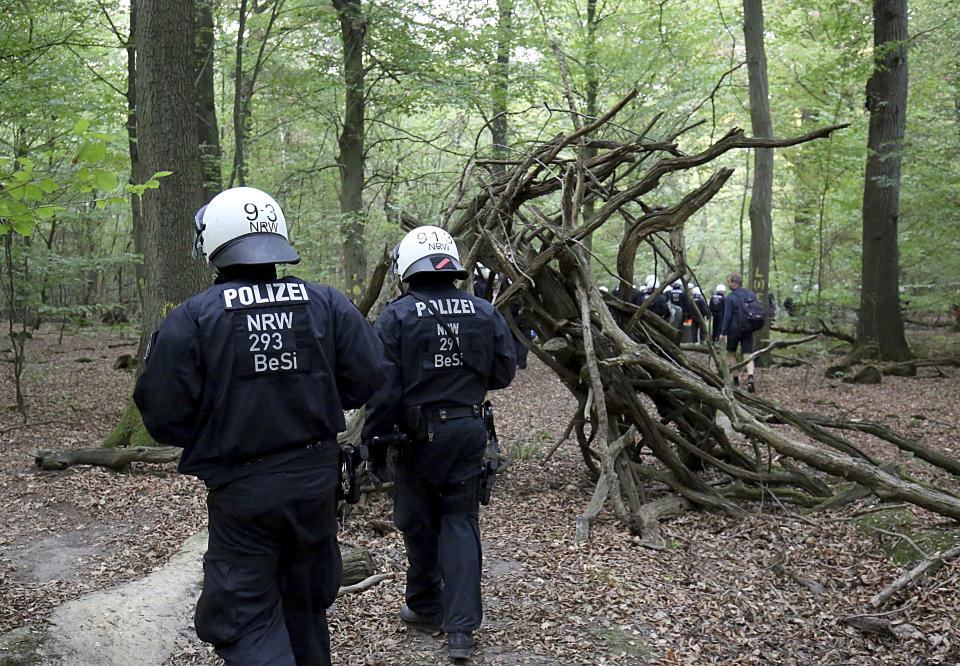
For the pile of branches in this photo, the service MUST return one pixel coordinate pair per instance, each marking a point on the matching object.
(636, 389)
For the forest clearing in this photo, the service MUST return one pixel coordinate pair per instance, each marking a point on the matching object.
(779, 585)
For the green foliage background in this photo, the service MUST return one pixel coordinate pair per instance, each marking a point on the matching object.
(63, 153)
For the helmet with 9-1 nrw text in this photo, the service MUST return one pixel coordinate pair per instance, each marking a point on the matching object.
(243, 225)
(427, 249)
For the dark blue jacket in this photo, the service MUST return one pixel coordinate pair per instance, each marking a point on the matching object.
(424, 367)
(716, 305)
(732, 308)
(658, 307)
(253, 371)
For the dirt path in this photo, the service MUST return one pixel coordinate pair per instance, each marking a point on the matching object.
(719, 594)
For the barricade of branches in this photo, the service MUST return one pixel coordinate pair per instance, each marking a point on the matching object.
(637, 391)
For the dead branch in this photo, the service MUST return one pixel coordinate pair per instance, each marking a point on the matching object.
(112, 458)
(635, 387)
(926, 567)
(823, 330)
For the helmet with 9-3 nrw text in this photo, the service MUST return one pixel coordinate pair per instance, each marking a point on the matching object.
(427, 249)
(243, 225)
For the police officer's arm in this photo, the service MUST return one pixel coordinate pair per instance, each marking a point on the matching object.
(359, 354)
(383, 408)
(168, 391)
(504, 364)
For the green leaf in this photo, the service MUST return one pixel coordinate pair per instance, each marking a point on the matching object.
(81, 126)
(17, 191)
(105, 180)
(45, 212)
(33, 191)
(20, 176)
(23, 226)
(48, 185)
(26, 161)
(160, 174)
(101, 204)
(93, 151)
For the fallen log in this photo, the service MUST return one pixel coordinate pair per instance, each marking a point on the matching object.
(112, 458)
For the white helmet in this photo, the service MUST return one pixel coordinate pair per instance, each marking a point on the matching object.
(797, 289)
(696, 290)
(650, 281)
(427, 249)
(721, 288)
(243, 225)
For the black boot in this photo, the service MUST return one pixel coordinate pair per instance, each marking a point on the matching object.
(750, 386)
(460, 644)
(426, 624)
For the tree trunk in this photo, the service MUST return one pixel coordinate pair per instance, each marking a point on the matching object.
(590, 107)
(499, 125)
(353, 30)
(207, 128)
(880, 325)
(761, 198)
(168, 141)
(242, 90)
(135, 174)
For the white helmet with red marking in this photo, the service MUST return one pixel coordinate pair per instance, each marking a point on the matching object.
(427, 249)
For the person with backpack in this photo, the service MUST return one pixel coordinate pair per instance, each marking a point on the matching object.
(742, 315)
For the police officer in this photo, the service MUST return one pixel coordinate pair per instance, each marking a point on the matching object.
(716, 309)
(700, 303)
(659, 306)
(444, 349)
(251, 377)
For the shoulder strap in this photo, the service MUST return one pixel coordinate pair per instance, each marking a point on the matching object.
(446, 329)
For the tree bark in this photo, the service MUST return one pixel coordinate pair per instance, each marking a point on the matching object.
(168, 141)
(351, 160)
(880, 325)
(761, 198)
(208, 132)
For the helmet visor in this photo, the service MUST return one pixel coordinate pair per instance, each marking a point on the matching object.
(256, 248)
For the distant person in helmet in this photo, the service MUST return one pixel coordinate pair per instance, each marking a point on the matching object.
(716, 309)
(700, 303)
(444, 349)
(251, 378)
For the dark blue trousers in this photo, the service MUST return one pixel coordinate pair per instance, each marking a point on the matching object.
(436, 502)
(272, 568)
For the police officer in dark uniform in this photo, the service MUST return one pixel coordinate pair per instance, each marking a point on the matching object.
(716, 309)
(444, 349)
(659, 306)
(251, 377)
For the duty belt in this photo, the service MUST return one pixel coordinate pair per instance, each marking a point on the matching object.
(442, 414)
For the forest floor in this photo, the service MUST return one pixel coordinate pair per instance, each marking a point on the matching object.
(726, 591)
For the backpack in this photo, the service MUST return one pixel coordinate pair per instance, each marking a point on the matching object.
(752, 315)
